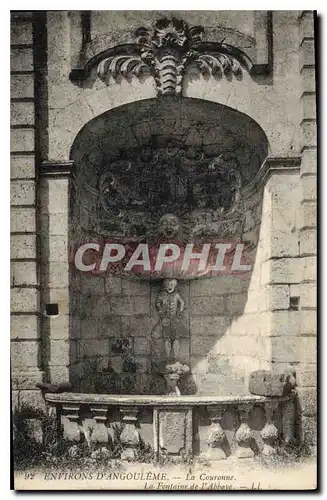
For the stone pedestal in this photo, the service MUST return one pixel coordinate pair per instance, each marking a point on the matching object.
(130, 436)
(173, 432)
(244, 436)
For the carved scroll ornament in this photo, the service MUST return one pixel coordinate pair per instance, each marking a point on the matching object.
(167, 52)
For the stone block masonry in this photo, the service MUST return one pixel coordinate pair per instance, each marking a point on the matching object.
(25, 294)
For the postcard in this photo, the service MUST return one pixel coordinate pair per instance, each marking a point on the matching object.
(163, 250)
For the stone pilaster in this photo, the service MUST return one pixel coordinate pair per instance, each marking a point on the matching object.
(308, 228)
(26, 352)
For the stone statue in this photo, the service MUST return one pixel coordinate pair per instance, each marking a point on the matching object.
(170, 306)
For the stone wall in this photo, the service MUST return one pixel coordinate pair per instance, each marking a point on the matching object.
(26, 354)
(307, 369)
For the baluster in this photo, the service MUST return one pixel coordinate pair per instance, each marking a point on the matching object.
(100, 430)
(71, 426)
(244, 435)
(216, 435)
(269, 433)
(130, 436)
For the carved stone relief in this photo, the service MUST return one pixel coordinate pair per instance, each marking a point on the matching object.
(167, 51)
(201, 194)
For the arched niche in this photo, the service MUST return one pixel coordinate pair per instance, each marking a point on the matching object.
(198, 141)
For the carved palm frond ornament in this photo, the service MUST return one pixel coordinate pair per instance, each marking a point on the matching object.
(167, 52)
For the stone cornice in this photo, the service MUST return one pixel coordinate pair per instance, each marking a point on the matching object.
(272, 165)
(56, 169)
(153, 401)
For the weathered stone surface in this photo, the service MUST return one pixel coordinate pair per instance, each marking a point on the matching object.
(54, 224)
(113, 285)
(55, 248)
(142, 305)
(32, 399)
(306, 375)
(308, 401)
(309, 214)
(23, 273)
(277, 297)
(172, 431)
(279, 323)
(21, 33)
(199, 364)
(56, 295)
(308, 322)
(142, 345)
(283, 245)
(308, 295)
(202, 345)
(217, 285)
(24, 300)
(307, 52)
(24, 327)
(307, 25)
(22, 192)
(22, 113)
(138, 325)
(309, 133)
(308, 242)
(130, 287)
(236, 304)
(55, 275)
(211, 325)
(24, 354)
(22, 220)
(309, 106)
(121, 306)
(21, 86)
(309, 161)
(309, 187)
(26, 379)
(58, 327)
(54, 196)
(204, 306)
(309, 430)
(60, 352)
(281, 271)
(59, 374)
(22, 140)
(308, 79)
(267, 383)
(90, 348)
(89, 328)
(23, 246)
(22, 167)
(21, 59)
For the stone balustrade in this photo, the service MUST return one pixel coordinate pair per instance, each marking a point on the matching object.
(177, 426)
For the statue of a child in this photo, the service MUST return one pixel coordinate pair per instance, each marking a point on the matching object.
(170, 306)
